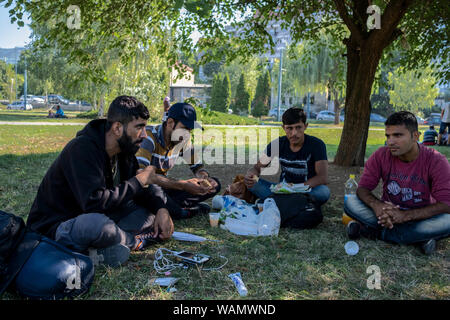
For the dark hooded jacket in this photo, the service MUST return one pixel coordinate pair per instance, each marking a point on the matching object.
(80, 181)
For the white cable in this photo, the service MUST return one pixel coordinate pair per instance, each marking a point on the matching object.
(217, 268)
(163, 264)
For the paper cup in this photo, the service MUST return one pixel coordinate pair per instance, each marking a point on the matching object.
(214, 219)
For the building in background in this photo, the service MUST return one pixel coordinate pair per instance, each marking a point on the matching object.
(185, 87)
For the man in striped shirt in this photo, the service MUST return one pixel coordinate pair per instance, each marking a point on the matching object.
(162, 147)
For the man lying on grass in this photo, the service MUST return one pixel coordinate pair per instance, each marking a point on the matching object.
(415, 206)
(95, 196)
(162, 147)
(303, 159)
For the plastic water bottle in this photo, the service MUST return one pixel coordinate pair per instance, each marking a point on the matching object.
(350, 186)
(350, 190)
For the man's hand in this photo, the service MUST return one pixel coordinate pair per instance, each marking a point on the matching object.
(249, 178)
(197, 186)
(202, 174)
(163, 225)
(147, 175)
(396, 215)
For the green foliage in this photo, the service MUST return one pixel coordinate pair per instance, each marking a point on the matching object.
(208, 116)
(242, 100)
(261, 102)
(220, 93)
(92, 114)
(412, 90)
(8, 83)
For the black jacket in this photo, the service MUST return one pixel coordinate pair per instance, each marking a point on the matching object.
(80, 181)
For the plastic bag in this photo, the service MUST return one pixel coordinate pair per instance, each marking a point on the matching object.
(245, 220)
(269, 219)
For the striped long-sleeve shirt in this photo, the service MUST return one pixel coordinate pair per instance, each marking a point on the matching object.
(154, 152)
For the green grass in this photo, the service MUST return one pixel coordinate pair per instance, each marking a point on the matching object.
(37, 115)
(308, 264)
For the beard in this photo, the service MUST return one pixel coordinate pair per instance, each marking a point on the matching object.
(127, 146)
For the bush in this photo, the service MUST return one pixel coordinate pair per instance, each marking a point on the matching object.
(92, 114)
(208, 116)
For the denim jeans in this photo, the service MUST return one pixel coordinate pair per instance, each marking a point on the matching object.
(261, 189)
(436, 227)
(100, 231)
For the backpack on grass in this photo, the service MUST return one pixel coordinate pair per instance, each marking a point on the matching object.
(298, 210)
(37, 267)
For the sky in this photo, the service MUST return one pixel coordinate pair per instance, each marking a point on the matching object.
(11, 35)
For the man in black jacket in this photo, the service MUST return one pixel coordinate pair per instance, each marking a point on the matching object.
(94, 198)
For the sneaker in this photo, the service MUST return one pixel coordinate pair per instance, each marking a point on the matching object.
(355, 230)
(200, 209)
(113, 256)
(145, 240)
(428, 247)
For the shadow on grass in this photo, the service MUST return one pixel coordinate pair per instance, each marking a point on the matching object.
(298, 264)
(20, 177)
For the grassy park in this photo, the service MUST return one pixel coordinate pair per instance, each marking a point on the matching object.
(307, 264)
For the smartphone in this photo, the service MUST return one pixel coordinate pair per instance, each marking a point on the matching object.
(194, 258)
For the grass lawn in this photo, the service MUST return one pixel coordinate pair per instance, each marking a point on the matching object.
(308, 264)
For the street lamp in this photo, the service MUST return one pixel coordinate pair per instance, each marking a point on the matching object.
(11, 95)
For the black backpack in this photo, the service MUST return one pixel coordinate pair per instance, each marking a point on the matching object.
(298, 210)
(12, 231)
(37, 267)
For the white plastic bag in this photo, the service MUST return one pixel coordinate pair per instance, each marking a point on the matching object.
(269, 219)
(240, 227)
(225, 202)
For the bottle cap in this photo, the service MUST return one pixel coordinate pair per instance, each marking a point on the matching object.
(352, 176)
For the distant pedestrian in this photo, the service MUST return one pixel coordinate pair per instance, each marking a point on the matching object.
(429, 137)
(445, 121)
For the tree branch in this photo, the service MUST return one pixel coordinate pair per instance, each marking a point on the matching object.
(355, 31)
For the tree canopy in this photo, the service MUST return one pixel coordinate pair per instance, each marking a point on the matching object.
(370, 34)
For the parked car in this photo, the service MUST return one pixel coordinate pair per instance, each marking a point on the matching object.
(274, 112)
(19, 105)
(433, 120)
(420, 120)
(375, 117)
(33, 99)
(57, 99)
(328, 115)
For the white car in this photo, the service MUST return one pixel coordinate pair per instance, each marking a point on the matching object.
(274, 112)
(326, 115)
(19, 105)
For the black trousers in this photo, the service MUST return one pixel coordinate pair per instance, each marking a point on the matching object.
(177, 200)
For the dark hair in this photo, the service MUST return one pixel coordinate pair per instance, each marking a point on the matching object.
(293, 115)
(405, 118)
(432, 127)
(125, 109)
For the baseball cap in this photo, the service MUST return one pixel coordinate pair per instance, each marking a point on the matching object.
(185, 113)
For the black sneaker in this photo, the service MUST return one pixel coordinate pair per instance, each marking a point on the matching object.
(355, 230)
(113, 256)
(200, 209)
(428, 247)
(145, 240)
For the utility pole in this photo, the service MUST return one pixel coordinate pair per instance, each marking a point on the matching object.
(25, 85)
(280, 75)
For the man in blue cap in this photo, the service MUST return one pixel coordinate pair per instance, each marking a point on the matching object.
(162, 147)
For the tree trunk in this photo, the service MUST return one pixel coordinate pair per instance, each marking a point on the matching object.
(362, 61)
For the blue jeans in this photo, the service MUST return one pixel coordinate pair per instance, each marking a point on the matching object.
(436, 227)
(261, 189)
